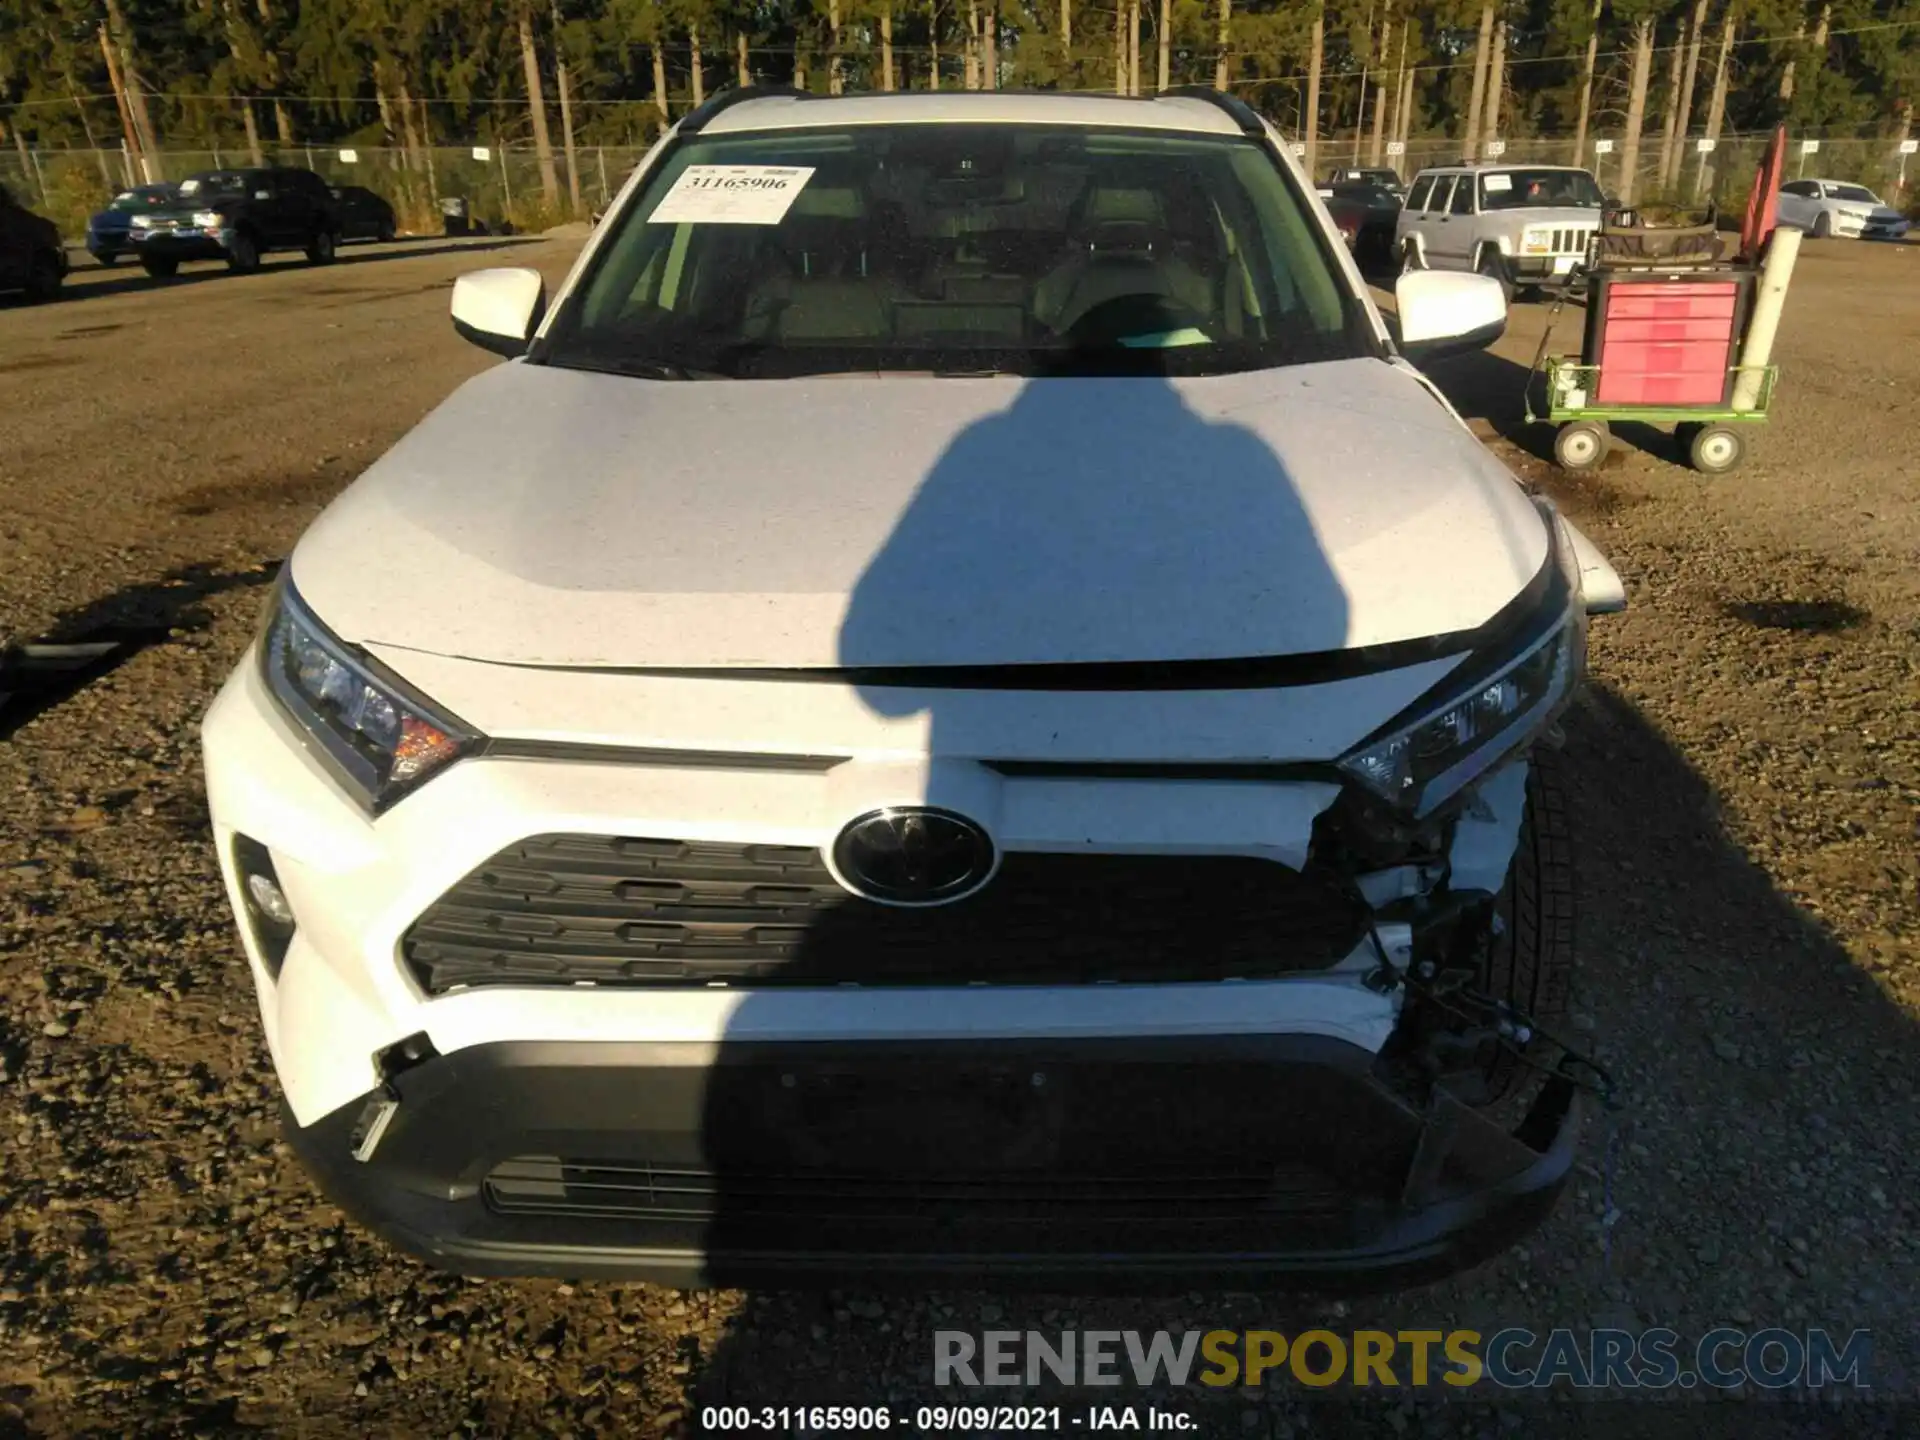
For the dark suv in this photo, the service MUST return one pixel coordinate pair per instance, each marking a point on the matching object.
(32, 259)
(237, 216)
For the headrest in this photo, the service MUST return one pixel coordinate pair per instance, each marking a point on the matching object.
(820, 202)
(1130, 207)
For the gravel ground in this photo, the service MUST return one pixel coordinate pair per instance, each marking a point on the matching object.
(1745, 769)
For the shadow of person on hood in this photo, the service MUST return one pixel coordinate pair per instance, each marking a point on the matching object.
(1099, 519)
(1093, 521)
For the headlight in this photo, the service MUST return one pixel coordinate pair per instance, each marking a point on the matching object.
(207, 219)
(141, 222)
(1420, 762)
(378, 737)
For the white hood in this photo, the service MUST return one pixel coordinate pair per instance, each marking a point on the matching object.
(558, 517)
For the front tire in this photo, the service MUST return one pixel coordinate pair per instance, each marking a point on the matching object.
(1410, 261)
(1529, 957)
(1823, 226)
(387, 233)
(1716, 449)
(1581, 446)
(320, 249)
(243, 254)
(1494, 266)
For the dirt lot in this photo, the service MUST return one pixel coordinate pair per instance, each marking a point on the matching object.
(1746, 767)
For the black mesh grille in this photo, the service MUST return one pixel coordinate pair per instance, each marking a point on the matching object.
(568, 909)
(542, 1185)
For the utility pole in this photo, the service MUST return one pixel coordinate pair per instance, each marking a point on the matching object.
(1310, 125)
(1496, 84)
(1586, 88)
(1471, 148)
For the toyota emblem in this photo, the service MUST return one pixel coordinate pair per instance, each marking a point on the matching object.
(913, 856)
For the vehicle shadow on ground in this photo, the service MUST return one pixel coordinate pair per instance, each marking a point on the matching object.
(1494, 388)
(134, 616)
(1722, 1009)
(127, 276)
(1688, 955)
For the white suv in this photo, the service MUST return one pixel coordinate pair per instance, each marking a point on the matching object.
(960, 708)
(1523, 225)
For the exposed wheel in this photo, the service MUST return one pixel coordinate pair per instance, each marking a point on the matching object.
(1494, 266)
(243, 254)
(1715, 449)
(1529, 957)
(43, 279)
(160, 267)
(1581, 445)
(320, 248)
(1823, 226)
(387, 233)
(1410, 260)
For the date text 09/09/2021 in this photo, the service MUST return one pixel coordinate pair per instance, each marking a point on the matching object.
(968, 1419)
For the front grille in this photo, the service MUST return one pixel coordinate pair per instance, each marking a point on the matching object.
(585, 909)
(545, 1185)
(1571, 241)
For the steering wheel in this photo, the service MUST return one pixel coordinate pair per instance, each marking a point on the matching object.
(1111, 323)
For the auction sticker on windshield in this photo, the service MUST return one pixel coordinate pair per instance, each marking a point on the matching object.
(731, 195)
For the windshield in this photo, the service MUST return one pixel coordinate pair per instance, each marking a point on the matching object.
(1857, 194)
(214, 182)
(1538, 189)
(1368, 193)
(960, 248)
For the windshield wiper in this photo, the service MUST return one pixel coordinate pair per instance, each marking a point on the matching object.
(638, 367)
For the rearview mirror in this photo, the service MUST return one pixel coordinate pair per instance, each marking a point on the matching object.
(1448, 313)
(499, 309)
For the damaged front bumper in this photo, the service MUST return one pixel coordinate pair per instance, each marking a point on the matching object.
(1126, 1164)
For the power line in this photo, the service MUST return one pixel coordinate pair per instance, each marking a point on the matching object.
(1510, 62)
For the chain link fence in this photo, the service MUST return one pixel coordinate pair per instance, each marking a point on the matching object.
(503, 188)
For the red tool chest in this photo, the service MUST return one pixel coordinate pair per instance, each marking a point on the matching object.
(1666, 338)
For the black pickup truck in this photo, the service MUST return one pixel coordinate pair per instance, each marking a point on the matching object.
(238, 216)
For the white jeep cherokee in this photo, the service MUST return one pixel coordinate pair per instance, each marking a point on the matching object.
(961, 708)
(1523, 225)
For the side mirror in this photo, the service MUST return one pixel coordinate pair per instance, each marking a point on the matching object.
(499, 310)
(1610, 202)
(1448, 313)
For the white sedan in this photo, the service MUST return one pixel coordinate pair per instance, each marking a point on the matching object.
(1824, 208)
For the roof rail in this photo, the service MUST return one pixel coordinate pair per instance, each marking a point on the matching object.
(695, 120)
(1243, 114)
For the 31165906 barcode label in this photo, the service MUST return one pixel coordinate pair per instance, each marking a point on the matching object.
(731, 195)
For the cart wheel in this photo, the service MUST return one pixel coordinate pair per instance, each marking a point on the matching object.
(1581, 445)
(1715, 449)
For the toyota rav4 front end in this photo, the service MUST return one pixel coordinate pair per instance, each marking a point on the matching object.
(910, 732)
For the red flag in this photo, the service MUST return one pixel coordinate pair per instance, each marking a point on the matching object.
(1763, 202)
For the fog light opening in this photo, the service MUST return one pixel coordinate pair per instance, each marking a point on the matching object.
(269, 900)
(267, 915)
